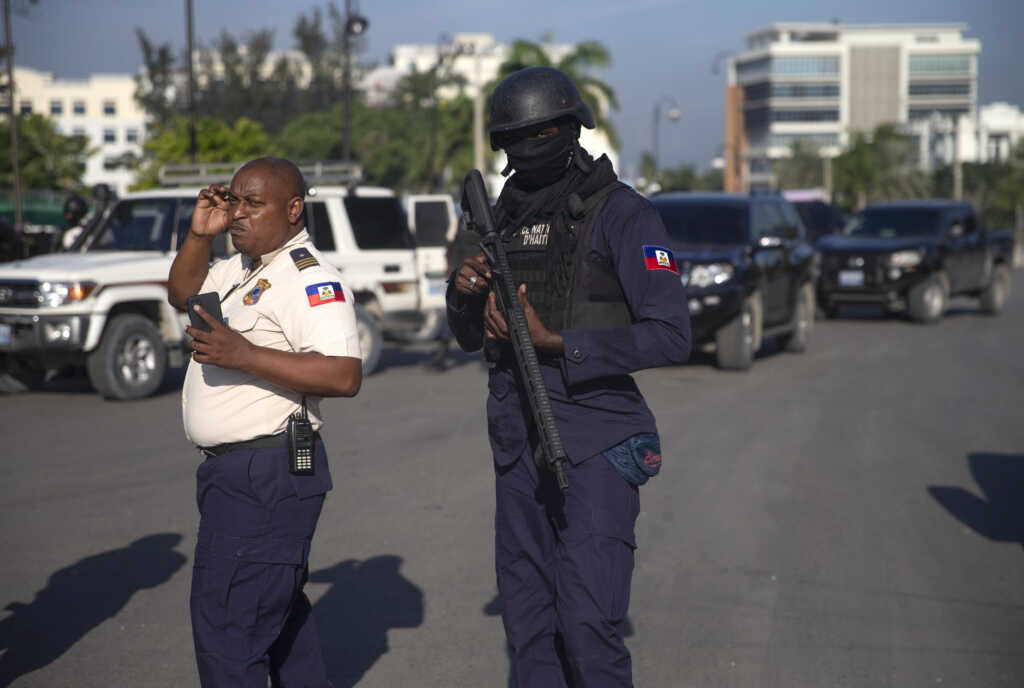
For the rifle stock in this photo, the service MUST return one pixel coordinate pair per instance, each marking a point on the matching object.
(482, 219)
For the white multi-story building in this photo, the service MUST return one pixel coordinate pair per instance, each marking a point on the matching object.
(102, 108)
(821, 82)
(988, 137)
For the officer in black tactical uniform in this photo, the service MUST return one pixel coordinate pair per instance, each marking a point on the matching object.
(75, 208)
(603, 298)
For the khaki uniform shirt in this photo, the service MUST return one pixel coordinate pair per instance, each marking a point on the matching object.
(293, 301)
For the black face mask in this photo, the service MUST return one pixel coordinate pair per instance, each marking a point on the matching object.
(540, 162)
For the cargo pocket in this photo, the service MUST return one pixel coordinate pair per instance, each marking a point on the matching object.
(613, 543)
(505, 426)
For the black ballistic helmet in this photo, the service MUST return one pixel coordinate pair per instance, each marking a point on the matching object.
(75, 205)
(532, 96)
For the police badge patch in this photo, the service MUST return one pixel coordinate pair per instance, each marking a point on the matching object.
(303, 258)
(256, 292)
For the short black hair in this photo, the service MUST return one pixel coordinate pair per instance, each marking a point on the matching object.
(286, 172)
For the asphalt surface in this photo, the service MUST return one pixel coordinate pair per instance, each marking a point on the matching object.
(851, 516)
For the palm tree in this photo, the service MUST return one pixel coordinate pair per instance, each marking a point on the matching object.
(598, 95)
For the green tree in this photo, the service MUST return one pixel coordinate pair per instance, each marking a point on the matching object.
(584, 56)
(47, 159)
(216, 141)
(879, 167)
(803, 169)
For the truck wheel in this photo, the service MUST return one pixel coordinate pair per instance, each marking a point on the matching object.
(23, 375)
(994, 297)
(927, 301)
(734, 342)
(130, 361)
(803, 320)
(370, 340)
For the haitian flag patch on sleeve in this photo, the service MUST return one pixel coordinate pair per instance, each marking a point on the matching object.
(324, 292)
(659, 258)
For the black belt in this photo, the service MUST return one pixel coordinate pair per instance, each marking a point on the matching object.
(265, 442)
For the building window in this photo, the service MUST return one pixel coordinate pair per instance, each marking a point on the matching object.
(812, 65)
(926, 113)
(25, 107)
(109, 108)
(78, 131)
(56, 108)
(773, 90)
(938, 64)
(829, 115)
(78, 107)
(928, 88)
(805, 65)
(131, 135)
(4, 108)
(818, 140)
(109, 136)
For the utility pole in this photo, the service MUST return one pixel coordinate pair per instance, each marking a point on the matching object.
(478, 115)
(12, 115)
(958, 171)
(191, 83)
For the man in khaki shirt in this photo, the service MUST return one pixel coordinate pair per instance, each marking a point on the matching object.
(289, 339)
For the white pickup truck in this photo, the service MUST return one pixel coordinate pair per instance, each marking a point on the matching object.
(104, 304)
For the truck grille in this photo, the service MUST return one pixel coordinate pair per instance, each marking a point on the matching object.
(19, 293)
(872, 265)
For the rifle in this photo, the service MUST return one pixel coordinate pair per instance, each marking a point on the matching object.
(482, 219)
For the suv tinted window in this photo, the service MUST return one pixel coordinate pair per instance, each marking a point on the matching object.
(792, 226)
(320, 226)
(431, 223)
(378, 222)
(704, 223)
(894, 222)
(767, 219)
(143, 224)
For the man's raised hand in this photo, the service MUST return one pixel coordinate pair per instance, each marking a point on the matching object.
(213, 211)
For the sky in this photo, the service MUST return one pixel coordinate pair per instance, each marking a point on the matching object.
(659, 47)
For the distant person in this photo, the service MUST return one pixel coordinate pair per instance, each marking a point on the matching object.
(289, 341)
(75, 208)
(602, 297)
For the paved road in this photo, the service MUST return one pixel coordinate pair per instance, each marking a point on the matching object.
(853, 516)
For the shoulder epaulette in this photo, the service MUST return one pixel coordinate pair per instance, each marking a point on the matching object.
(303, 258)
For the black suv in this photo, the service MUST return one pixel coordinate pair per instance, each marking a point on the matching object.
(747, 268)
(915, 255)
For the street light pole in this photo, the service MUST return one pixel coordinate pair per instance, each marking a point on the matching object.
(355, 25)
(673, 114)
(192, 147)
(13, 115)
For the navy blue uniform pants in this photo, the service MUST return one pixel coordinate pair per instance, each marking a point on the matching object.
(564, 565)
(250, 618)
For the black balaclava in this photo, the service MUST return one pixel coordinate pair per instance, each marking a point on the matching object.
(540, 162)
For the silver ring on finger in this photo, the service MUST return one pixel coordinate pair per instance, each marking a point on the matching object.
(472, 280)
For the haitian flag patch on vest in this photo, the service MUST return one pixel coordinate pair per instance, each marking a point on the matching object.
(659, 258)
(325, 292)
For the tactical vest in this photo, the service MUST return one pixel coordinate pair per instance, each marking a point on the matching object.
(594, 298)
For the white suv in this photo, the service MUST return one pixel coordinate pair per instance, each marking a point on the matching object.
(105, 303)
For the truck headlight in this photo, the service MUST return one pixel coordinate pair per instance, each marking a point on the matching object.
(904, 259)
(59, 293)
(711, 273)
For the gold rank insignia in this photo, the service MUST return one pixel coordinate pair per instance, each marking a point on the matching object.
(256, 292)
(303, 258)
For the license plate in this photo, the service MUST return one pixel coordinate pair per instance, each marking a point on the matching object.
(5, 335)
(436, 287)
(851, 278)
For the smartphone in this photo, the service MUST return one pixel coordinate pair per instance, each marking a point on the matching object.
(210, 302)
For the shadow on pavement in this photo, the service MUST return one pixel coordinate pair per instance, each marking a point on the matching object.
(80, 597)
(999, 513)
(493, 608)
(366, 598)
